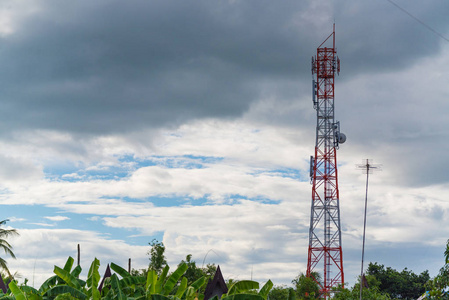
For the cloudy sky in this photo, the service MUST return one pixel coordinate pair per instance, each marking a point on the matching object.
(192, 122)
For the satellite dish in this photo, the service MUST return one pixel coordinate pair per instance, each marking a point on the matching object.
(341, 138)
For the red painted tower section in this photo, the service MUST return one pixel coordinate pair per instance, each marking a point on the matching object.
(325, 252)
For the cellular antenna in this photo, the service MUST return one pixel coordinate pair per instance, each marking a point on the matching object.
(325, 251)
(367, 167)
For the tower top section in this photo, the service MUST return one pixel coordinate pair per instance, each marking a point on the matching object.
(328, 54)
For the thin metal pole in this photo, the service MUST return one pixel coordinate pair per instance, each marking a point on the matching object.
(79, 254)
(364, 228)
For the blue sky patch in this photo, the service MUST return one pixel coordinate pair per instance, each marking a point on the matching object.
(75, 172)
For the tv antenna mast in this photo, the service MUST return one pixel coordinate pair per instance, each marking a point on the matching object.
(367, 167)
(325, 230)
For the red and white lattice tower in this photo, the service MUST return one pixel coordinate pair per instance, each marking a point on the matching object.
(325, 254)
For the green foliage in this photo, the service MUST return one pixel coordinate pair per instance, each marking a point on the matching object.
(446, 253)
(402, 285)
(119, 270)
(68, 278)
(280, 293)
(247, 290)
(93, 278)
(265, 290)
(438, 286)
(291, 294)
(243, 297)
(307, 287)
(122, 286)
(116, 288)
(64, 289)
(371, 293)
(243, 286)
(157, 257)
(18, 294)
(48, 284)
(386, 283)
(194, 273)
(173, 279)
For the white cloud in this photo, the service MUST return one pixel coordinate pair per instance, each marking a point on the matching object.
(249, 231)
(57, 218)
(15, 219)
(43, 224)
(38, 250)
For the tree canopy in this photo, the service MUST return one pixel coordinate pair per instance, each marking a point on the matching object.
(157, 257)
(307, 287)
(401, 285)
(438, 287)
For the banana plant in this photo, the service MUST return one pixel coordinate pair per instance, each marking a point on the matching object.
(244, 290)
(163, 287)
(93, 278)
(65, 285)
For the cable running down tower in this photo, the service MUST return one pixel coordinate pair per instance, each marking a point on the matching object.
(325, 253)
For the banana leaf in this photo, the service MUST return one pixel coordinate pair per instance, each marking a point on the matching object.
(108, 294)
(243, 297)
(93, 278)
(139, 291)
(68, 267)
(242, 286)
(29, 289)
(132, 280)
(69, 264)
(65, 296)
(159, 297)
(173, 279)
(34, 297)
(76, 271)
(63, 289)
(199, 283)
(115, 287)
(150, 285)
(71, 280)
(161, 280)
(18, 294)
(50, 282)
(266, 289)
(182, 288)
(190, 293)
(119, 270)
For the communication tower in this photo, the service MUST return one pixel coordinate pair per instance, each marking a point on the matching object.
(325, 253)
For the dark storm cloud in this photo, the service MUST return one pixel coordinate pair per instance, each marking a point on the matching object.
(110, 66)
(378, 36)
(116, 66)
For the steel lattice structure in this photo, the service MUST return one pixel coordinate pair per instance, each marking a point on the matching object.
(325, 231)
